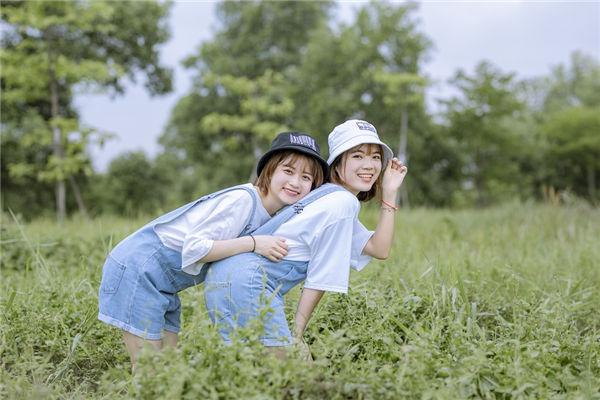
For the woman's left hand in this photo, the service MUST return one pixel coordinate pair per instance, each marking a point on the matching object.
(394, 174)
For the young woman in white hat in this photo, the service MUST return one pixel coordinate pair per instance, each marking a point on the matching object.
(324, 238)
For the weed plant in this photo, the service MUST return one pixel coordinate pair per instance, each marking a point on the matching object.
(498, 303)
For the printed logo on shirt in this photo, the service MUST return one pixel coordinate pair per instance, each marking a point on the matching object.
(298, 208)
(365, 126)
(303, 140)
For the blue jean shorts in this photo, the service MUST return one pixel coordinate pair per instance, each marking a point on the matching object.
(140, 299)
(249, 287)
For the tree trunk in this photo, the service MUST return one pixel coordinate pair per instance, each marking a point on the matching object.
(402, 197)
(58, 152)
(78, 197)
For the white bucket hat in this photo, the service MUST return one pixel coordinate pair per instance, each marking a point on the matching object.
(352, 133)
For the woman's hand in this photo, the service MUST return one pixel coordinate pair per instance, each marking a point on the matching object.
(272, 247)
(393, 176)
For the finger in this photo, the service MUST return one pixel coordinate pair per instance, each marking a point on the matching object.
(272, 258)
(275, 254)
(281, 250)
(280, 254)
(281, 245)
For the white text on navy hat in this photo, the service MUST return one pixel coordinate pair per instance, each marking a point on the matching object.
(303, 140)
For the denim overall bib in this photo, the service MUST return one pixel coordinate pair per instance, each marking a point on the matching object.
(249, 287)
(141, 277)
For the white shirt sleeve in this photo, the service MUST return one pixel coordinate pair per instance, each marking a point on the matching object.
(221, 218)
(360, 237)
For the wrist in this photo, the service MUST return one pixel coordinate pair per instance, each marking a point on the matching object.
(298, 333)
(389, 196)
(389, 206)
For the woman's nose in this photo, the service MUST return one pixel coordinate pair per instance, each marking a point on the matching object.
(294, 180)
(371, 163)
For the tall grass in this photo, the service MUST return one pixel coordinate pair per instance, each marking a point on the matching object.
(498, 303)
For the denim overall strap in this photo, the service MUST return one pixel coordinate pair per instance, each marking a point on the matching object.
(296, 208)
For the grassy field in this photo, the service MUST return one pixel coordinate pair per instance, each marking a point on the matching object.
(498, 303)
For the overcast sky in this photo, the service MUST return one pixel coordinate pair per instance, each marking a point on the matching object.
(526, 37)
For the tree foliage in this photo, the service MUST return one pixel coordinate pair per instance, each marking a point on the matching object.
(240, 97)
(479, 119)
(52, 50)
(270, 67)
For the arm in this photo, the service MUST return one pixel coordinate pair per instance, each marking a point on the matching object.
(381, 242)
(271, 247)
(307, 304)
(213, 230)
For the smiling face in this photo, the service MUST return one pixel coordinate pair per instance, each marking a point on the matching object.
(287, 178)
(359, 168)
(291, 181)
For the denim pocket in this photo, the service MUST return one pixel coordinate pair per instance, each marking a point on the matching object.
(112, 274)
(218, 300)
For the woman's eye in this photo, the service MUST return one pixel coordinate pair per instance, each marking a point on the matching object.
(377, 157)
(357, 156)
(307, 178)
(287, 171)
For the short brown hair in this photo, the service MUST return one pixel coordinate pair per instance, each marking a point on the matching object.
(340, 162)
(264, 179)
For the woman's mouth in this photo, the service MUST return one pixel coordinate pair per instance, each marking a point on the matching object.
(291, 192)
(365, 177)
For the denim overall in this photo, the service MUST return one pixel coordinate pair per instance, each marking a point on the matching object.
(249, 287)
(141, 277)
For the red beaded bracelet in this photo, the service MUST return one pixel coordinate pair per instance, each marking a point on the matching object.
(395, 208)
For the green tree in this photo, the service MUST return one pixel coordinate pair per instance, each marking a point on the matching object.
(370, 69)
(575, 85)
(480, 119)
(51, 50)
(563, 105)
(573, 151)
(240, 99)
(132, 186)
(329, 72)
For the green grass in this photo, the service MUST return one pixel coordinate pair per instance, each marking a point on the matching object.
(498, 303)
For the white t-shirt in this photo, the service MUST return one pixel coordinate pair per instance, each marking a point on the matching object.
(328, 234)
(220, 218)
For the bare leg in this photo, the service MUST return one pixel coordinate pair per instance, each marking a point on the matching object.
(169, 339)
(135, 343)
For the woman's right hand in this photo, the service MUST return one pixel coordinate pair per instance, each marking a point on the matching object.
(272, 247)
